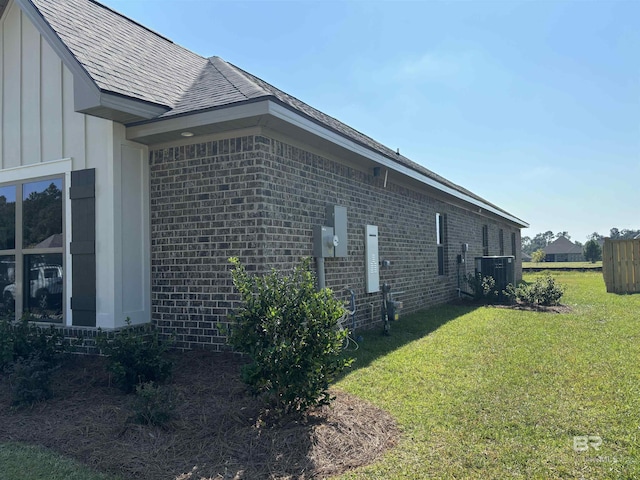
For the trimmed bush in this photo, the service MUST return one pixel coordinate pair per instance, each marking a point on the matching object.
(135, 356)
(484, 288)
(30, 380)
(544, 291)
(289, 331)
(154, 404)
(23, 340)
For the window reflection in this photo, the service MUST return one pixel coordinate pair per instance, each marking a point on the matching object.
(42, 214)
(43, 286)
(7, 282)
(7, 218)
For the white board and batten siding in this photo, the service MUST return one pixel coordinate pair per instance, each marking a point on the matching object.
(39, 123)
(41, 135)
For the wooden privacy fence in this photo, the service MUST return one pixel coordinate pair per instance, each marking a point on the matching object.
(621, 265)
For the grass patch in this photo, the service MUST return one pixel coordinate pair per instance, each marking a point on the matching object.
(482, 392)
(562, 265)
(18, 462)
(497, 393)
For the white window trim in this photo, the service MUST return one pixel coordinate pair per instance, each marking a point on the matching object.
(47, 169)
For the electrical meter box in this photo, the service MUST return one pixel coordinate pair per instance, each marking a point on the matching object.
(323, 241)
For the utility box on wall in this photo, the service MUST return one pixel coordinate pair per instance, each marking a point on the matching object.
(372, 260)
(331, 240)
(323, 241)
(337, 218)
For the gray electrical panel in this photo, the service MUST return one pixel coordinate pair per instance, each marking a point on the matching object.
(337, 218)
(372, 261)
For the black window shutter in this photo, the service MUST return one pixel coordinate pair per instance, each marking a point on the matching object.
(83, 247)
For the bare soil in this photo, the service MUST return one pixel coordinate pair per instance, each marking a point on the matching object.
(217, 434)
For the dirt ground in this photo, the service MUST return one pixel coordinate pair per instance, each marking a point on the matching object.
(217, 432)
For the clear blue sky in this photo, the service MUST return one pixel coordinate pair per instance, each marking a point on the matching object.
(533, 105)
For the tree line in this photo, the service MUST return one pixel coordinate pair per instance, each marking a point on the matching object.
(592, 249)
(541, 240)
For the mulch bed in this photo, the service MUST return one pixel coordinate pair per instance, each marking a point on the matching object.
(218, 432)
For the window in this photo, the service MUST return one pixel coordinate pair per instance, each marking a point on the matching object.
(513, 244)
(501, 241)
(441, 240)
(485, 240)
(32, 249)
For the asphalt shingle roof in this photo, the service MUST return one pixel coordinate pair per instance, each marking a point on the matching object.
(126, 58)
(120, 55)
(218, 84)
(562, 245)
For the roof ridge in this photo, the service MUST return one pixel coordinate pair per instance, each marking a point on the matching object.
(238, 70)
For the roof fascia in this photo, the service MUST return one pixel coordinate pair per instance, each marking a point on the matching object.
(267, 106)
(288, 115)
(87, 98)
(138, 131)
(87, 95)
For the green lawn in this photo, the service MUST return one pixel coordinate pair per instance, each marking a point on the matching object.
(20, 462)
(489, 393)
(496, 393)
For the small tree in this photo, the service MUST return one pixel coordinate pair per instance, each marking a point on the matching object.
(288, 329)
(592, 251)
(538, 256)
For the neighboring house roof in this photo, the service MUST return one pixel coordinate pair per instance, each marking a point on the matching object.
(637, 237)
(562, 245)
(124, 65)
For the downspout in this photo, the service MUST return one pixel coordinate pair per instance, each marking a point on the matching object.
(320, 272)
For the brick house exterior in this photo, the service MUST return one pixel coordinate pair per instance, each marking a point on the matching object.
(170, 163)
(258, 198)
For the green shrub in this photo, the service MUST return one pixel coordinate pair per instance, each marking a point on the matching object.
(22, 340)
(484, 288)
(30, 380)
(135, 356)
(154, 404)
(289, 330)
(544, 291)
(6, 343)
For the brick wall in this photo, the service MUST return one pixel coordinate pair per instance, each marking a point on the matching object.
(259, 198)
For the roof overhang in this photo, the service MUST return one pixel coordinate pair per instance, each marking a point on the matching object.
(275, 116)
(88, 97)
